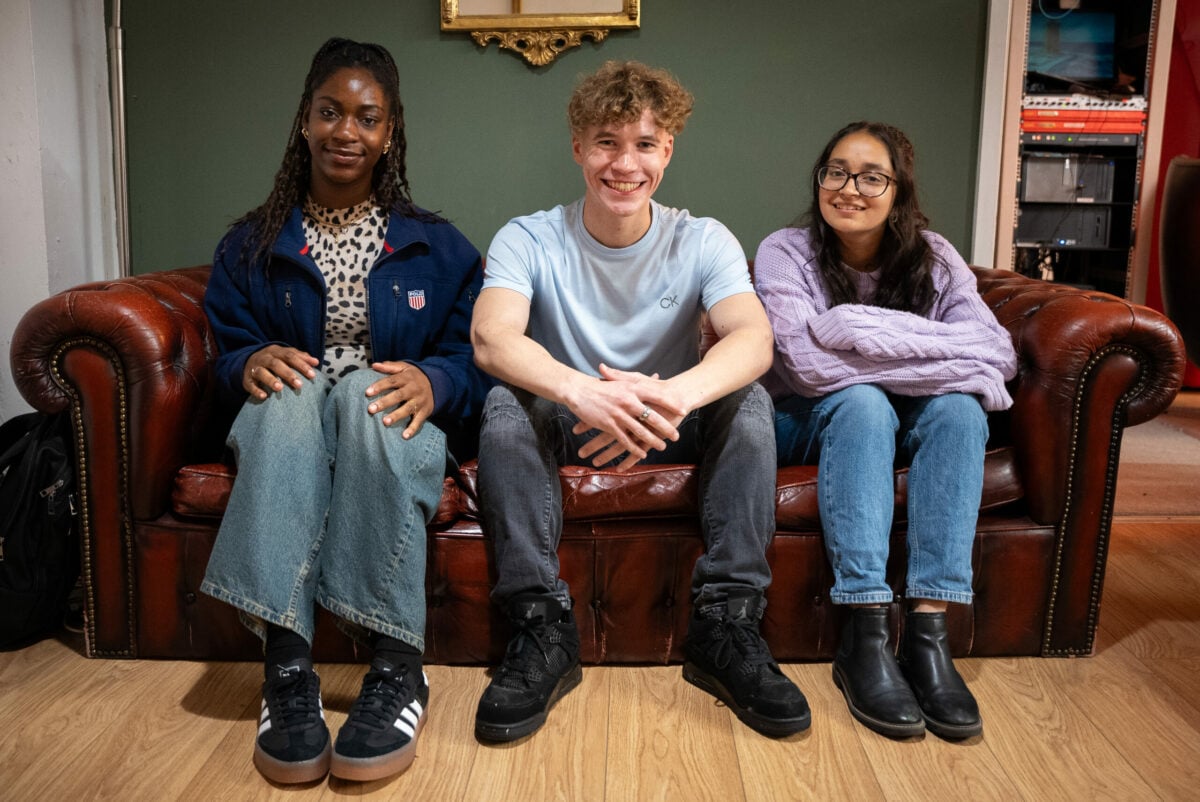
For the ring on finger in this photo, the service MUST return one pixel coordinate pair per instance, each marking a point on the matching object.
(645, 413)
(254, 371)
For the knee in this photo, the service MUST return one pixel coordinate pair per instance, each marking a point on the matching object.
(347, 401)
(353, 386)
(959, 416)
(502, 413)
(756, 412)
(290, 406)
(501, 402)
(865, 407)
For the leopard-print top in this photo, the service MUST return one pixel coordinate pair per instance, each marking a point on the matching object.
(345, 244)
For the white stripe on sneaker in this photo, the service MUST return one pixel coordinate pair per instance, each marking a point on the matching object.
(264, 719)
(409, 716)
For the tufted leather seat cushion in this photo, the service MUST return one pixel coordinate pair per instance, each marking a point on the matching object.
(646, 491)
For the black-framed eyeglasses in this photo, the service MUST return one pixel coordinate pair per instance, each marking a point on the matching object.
(869, 183)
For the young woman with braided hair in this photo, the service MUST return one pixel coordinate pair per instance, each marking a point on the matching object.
(341, 312)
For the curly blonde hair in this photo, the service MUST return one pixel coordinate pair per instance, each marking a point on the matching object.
(620, 91)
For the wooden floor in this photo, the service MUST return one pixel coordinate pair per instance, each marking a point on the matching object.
(1123, 724)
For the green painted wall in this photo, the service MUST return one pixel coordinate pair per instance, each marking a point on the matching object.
(212, 87)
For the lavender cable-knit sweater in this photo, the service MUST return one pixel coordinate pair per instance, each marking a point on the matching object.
(959, 347)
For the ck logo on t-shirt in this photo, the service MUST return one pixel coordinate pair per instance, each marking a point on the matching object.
(668, 301)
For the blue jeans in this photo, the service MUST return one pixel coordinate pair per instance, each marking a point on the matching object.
(525, 438)
(329, 507)
(854, 436)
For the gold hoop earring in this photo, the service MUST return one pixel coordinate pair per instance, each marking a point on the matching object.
(387, 146)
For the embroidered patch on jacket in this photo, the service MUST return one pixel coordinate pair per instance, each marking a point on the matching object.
(416, 299)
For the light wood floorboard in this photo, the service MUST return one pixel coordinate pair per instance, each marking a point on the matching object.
(1122, 724)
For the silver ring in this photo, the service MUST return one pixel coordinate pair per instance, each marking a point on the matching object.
(645, 414)
(254, 371)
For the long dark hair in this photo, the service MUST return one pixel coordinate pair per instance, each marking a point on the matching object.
(388, 181)
(905, 259)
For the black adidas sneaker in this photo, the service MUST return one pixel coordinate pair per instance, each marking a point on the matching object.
(379, 738)
(293, 741)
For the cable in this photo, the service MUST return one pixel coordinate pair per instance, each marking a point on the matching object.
(1042, 11)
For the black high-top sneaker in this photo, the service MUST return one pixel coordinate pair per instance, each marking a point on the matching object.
(379, 738)
(541, 665)
(727, 657)
(293, 741)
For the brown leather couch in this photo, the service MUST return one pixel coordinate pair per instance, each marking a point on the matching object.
(131, 360)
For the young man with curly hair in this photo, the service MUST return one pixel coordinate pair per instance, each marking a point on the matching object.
(589, 316)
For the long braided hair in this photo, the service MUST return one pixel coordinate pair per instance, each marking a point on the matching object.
(905, 258)
(388, 180)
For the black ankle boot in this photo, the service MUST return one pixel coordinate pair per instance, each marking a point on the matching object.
(867, 673)
(949, 708)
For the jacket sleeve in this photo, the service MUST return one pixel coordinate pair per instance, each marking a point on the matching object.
(237, 331)
(459, 387)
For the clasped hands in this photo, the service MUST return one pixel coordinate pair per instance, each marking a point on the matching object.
(632, 412)
(403, 391)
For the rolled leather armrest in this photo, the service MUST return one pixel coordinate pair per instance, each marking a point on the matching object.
(1089, 364)
(133, 359)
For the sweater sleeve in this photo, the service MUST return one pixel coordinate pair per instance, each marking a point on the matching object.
(820, 350)
(961, 326)
(789, 289)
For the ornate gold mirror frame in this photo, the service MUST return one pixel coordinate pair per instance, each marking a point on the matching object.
(539, 29)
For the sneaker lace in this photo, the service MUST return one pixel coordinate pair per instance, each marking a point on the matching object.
(527, 655)
(740, 636)
(377, 702)
(297, 701)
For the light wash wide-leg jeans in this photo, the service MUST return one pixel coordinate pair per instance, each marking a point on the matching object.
(329, 507)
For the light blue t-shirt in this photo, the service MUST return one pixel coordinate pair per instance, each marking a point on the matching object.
(635, 308)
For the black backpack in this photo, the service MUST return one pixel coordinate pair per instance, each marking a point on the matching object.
(39, 540)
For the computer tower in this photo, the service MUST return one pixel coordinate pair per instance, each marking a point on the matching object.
(1066, 178)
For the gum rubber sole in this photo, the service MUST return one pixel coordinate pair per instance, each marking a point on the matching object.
(365, 769)
(295, 772)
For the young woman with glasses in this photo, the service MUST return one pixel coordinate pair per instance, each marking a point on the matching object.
(885, 355)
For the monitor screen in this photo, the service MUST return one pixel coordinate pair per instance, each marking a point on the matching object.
(1075, 46)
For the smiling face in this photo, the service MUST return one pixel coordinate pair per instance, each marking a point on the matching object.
(623, 164)
(348, 124)
(858, 222)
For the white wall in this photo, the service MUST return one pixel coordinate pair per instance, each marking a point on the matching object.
(57, 220)
(991, 135)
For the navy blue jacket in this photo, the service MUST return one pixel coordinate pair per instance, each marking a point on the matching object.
(283, 302)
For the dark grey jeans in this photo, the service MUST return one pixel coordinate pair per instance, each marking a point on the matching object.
(524, 439)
